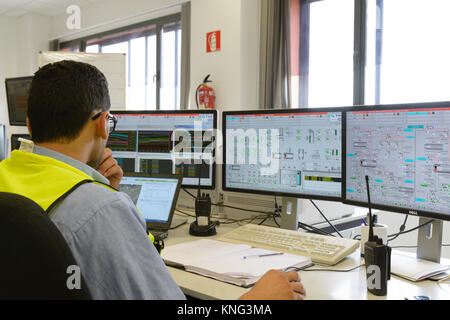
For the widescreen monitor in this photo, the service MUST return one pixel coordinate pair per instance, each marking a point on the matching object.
(405, 152)
(167, 142)
(289, 152)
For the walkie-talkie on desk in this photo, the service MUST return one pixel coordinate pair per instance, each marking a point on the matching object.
(377, 258)
(202, 226)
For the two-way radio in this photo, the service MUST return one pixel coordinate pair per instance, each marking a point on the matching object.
(202, 226)
(377, 258)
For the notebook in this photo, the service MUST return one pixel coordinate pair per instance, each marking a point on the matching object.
(413, 269)
(239, 264)
(155, 196)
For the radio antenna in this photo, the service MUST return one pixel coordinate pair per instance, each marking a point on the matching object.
(199, 177)
(370, 210)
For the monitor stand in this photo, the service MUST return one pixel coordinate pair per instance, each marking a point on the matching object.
(294, 210)
(289, 214)
(429, 244)
(429, 240)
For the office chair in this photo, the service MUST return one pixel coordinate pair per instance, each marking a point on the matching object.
(34, 256)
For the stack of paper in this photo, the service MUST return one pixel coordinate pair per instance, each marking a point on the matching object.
(414, 269)
(239, 264)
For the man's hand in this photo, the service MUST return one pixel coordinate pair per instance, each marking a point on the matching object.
(110, 169)
(277, 285)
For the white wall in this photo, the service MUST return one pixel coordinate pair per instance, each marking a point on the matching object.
(233, 69)
(33, 32)
(224, 65)
(7, 60)
(23, 37)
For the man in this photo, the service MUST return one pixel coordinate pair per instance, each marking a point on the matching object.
(69, 120)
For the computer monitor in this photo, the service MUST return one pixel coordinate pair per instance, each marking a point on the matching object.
(405, 152)
(17, 92)
(15, 143)
(288, 152)
(167, 142)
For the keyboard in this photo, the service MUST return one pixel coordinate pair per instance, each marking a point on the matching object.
(321, 249)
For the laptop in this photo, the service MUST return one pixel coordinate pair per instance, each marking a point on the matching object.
(155, 195)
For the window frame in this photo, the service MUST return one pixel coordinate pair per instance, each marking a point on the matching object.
(81, 44)
(359, 51)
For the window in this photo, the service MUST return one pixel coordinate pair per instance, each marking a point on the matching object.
(370, 52)
(331, 53)
(70, 46)
(407, 51)
(153, 51)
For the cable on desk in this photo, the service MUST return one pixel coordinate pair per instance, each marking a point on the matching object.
(446, 280)
(321, 213)
(312, 229)
(265, 215)
(406, 247)
(327, 270)
(395, 235)
(185, 213)
(184, 189)
(250, 220)
(237, 208)
(402, 228)
(227, 206)
(273, 215)
(227, 221)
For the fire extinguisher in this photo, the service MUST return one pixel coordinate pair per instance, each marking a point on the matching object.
(204, 95)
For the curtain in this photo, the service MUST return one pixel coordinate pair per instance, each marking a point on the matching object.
(275, 73)
(185, 54)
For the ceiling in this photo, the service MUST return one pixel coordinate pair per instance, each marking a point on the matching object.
(50, 8)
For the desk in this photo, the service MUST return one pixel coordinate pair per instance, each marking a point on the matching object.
(320, 285)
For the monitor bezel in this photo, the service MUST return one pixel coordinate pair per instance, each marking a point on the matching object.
(182, 112)
(280, 111)
(411, 106)
(8, 102)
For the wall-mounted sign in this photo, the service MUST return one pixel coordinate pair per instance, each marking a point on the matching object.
(213, 41)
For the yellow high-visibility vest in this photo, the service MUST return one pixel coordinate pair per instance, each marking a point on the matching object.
(42, 179)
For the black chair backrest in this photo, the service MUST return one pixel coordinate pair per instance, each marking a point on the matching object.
(35, 260)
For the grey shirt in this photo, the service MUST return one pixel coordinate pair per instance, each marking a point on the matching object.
(107, 236)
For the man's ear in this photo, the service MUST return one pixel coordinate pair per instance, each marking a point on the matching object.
(102, 127)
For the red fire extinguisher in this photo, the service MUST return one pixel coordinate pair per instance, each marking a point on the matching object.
(204, 96)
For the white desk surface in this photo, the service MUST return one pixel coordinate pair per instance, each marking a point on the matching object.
(320, 285)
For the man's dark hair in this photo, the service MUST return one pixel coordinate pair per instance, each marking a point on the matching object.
(63, 97)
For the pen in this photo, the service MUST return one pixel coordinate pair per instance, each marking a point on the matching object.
(364, 221)
(263, 255)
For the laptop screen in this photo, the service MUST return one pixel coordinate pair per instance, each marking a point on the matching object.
(153, 196)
